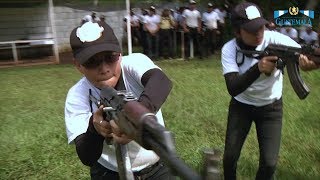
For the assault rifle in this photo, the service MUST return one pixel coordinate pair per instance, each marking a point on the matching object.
(289, 57)
(122, 156)
(141, 125)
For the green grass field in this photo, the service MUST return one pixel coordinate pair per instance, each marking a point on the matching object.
(34, 145)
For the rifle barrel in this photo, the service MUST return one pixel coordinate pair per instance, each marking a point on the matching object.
(171, 159)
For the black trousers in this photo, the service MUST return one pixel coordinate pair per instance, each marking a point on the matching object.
(166, 42)
(268, 121)
(153, 45)
(135, 33)
(156, 172)
(210, 41)
(196, 37)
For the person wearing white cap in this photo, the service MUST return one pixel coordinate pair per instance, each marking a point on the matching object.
(221, 10)
(308, 36)
(135, 27)
(191, 25)
(151, 26)
(97, 55)
(166, 26)
(255, 86)
(288, 30)
(210, 21)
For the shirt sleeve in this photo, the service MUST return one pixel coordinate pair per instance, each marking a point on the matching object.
(135, 65)
(89, 145)
(236, 83)
(295, 33)
(203, 17)
(157, 87)
(228, 57)
(147, 80)
(79, 125)
(77, 113)
(199, 14)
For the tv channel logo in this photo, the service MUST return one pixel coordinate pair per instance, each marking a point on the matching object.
(293, 16)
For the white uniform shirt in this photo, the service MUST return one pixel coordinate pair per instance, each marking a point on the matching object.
(77, 112)
(308, 38)
(265, 89)
(210, 20)
(152, 22)
(293, 33)
(222, 14)
(141, 18)
(191, 17)
(134, 20)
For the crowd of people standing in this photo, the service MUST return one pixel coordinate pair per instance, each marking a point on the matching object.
(158, 31)
(302, 35)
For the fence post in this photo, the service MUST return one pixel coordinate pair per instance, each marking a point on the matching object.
(191, 49)
(14, 52)
(182, 45)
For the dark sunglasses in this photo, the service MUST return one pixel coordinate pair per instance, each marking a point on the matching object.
(96, 60)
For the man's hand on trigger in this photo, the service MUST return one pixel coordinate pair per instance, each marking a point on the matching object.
(267, 64)
(102, 127)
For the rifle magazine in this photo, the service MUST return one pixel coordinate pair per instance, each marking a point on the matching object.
(300, 88)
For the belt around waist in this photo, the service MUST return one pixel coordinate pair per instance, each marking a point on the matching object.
(211, 29)
(149, 169)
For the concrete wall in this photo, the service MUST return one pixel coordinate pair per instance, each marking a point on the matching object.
(23, 23)
(34, 23)
(66, 19)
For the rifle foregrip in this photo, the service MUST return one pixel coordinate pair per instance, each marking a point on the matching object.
(300, 88)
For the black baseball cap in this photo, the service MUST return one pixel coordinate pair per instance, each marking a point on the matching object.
(247, 16)
(92, 38)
